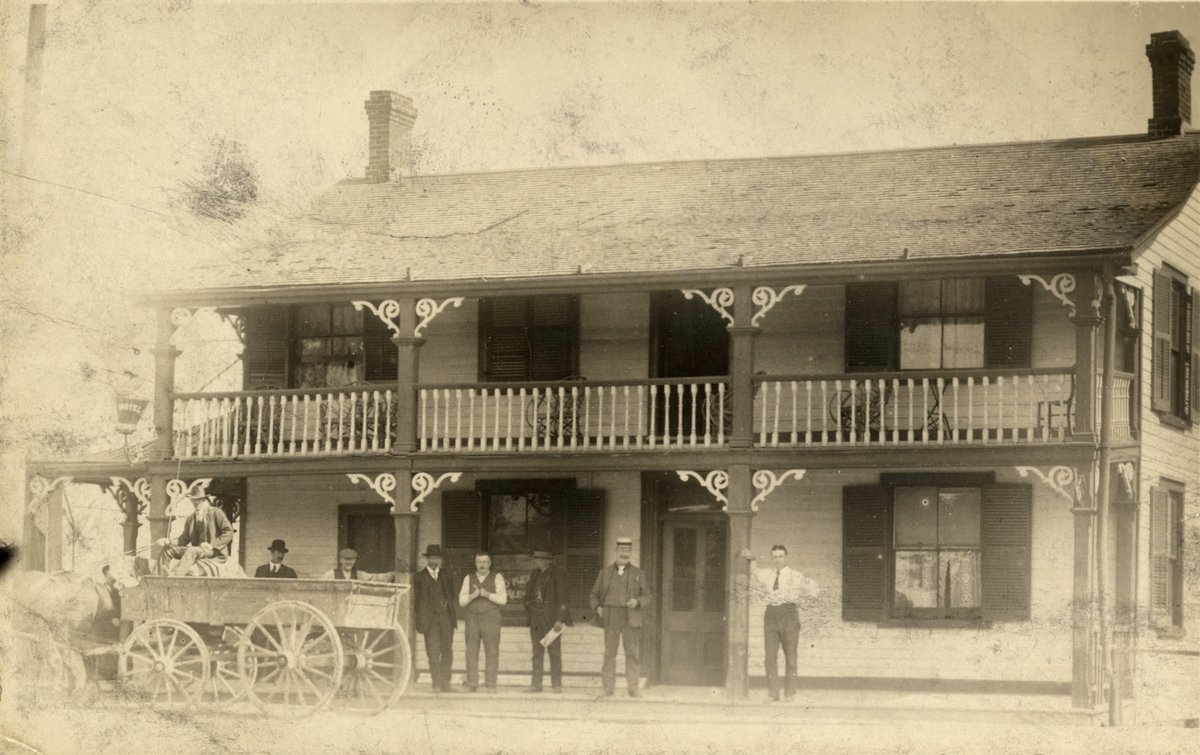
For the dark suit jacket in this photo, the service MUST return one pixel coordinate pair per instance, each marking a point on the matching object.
(434, 600)
(214, 529)
(552, 606)
(639, 588)
(285, 572)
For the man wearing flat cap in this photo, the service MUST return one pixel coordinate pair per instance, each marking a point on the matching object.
(276, 569)
(347, 568)
(546, 605)
(435, 616)
(619, 597)
(205, 535)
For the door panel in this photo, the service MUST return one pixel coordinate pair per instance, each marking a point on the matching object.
(370, 530)
(694, 592)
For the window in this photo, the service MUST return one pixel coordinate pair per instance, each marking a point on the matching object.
(1176, 379)
(329, 345)
(959, 323)
(315, 346)
(1166, 555)
(936, 548)
(528, 338)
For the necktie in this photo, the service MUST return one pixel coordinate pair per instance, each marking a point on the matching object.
(776, 587)
(274, 568)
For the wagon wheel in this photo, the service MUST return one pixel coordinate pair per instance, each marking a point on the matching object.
(290, 659)
(378, 667)
(165, 657)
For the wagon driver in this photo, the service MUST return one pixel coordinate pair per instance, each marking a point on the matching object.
(206, 534)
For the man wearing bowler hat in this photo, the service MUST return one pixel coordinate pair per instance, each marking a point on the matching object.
(435, 616)
(546, 605)
(206, 533)
(347, 568)
(276, 568)
(618, 598)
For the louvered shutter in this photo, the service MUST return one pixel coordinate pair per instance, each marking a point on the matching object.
(379, 353)
(505, 340)
(864, 553)
(462, 529)
(265, 357)
(1194, 335)
(1160, 561)
(1006, 531)
(552, 335)
(870, 326)
(583, 547)
(1008, 323)
(1160, 379)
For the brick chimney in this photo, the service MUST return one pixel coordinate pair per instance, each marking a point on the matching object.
(1171, 63)
(390, 117)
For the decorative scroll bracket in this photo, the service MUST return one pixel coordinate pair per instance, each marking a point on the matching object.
(41, 488)
(765, 481)
(714, 482)
(1131, 298)
(721, 299)
(388, 311)
(1129, 477)
(181, 316)
(423, 484)
(177, 489)
(427, 309)
(383, 484)
(140, 488)
(1060, 286)
(1064, 481)
(766, 298)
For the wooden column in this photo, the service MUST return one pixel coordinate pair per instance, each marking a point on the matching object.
(739, 493)
(1125, 623)
(159, 523)
(408, 349)
(407, 524)
(164, 387)
(33, 540)
(54, 529)
(1087, 321)
(1082, 691)
(741, 368)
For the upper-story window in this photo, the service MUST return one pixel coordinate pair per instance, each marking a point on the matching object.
(958, 323)
(1166, 555)
(528, 338)
(1175, 391)
(316, 346)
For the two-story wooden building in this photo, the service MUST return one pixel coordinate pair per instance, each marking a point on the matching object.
(959, 384)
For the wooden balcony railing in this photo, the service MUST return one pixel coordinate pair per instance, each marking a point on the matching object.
(573, 415)
(1124, 402)
(324, 421)
(973, 407)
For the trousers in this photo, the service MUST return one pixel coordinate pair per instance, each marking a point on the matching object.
(781, 627)
(536, 633)
(483, 627)
(618, 631)
(439, 648)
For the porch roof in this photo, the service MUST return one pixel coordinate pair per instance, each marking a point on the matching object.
(957, 202)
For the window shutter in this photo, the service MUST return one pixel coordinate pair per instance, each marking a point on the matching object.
(505, 345)
(1194, 335)
(1008, 323)
(870, 326)
(379, 353)
(1160, 562)
(462, 529)
(552, 336)
(864, 553)
(583, 547)
(1160, 380)
(265, 357)
(1006, 531)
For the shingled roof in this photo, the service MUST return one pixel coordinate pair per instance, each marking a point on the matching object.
(950, 202)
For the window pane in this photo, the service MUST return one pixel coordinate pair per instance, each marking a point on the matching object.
(916, 580)
(920, 297)
(959, 579)
(920, 343)
(347, 319)
(506, 528)
(311, 376)
(313, 320)
(962, 296)
(714, 569)
(962, 342)
(916, 517)
(314, 347)
(959, 512)
(683, 569)
(340, 373)
(347, 346)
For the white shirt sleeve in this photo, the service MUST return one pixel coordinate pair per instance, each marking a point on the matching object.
(500, 597)
(463, 594)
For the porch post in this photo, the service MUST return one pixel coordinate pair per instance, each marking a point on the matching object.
(157, 516)
(741, 370)
(1087, 321)
(405, 521)
(33, 540)
(1082, 691)
(408, 349)
(741, 517)
(165, 354)
(54, 529)
(1125, 624)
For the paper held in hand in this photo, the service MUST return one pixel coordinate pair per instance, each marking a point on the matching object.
(551, 636)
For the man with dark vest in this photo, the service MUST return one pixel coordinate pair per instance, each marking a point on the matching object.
(347, 568)
(276, 569)
(205, 535)
(435, 616)
(483, 592)
(619, 597)
(546, 605)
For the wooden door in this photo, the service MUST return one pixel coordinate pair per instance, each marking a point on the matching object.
(690, 340)
(368, 529)
(694, 600)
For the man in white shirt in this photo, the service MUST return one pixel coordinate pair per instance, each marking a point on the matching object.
(482, 594)
(783, 588)
(347, 568)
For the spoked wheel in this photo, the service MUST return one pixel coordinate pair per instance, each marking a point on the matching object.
(378, 667)
(165, 659)
(225, 684)
(290, 659)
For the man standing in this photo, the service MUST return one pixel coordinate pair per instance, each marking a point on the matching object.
(347, 568)
(482, 594)
(205, 534)
(546, 604)
(619, 596)
(783, 588)
(435, 616)
(276, 569)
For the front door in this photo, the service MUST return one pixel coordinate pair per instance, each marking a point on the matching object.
(693, 611)
(370, 530)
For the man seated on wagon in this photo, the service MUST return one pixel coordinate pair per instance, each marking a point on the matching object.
(347, 568)
(205, 536)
